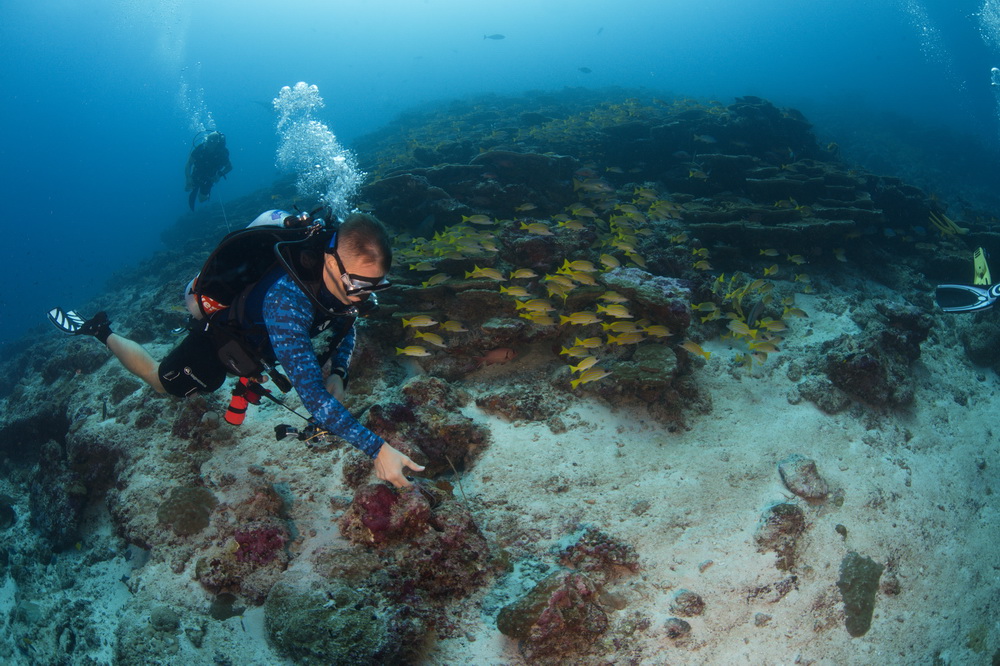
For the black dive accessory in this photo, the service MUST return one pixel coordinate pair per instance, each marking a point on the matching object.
(966, 298)
(312, 434)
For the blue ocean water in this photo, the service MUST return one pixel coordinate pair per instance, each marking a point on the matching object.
(101, 99)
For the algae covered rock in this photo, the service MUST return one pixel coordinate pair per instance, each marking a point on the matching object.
(859, 577)
(664, 300)
(779, 530)
(56, 498)
(424, 421)
(186, 510)
(875, 366)
(802, 478)
(316, 623)
(558, 616)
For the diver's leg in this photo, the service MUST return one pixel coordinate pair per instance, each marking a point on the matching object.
(136, 360)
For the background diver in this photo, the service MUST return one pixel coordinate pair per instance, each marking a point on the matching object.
(207, 163)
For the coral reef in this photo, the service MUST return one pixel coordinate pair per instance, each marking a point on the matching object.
(380, 514)
(424, 422)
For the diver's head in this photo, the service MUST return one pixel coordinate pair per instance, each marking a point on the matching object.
(358, 259)
(215, 137)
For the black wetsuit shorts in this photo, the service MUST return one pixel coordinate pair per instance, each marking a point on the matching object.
(193, 366)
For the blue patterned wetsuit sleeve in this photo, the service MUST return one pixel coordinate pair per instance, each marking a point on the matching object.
(288, 315)
(342, 359)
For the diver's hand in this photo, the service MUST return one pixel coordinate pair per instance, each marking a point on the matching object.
(335, 386)
(389, 466)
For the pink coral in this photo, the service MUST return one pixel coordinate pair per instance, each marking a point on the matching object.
(259, 546)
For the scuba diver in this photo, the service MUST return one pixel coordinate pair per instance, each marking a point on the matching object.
(208, 162)
(259, 299)
(981, 295)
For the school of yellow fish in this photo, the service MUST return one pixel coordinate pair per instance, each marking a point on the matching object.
(738, 299)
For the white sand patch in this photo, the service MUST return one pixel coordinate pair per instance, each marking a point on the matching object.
(913, 496)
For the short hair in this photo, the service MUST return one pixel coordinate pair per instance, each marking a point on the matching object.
(366, 237)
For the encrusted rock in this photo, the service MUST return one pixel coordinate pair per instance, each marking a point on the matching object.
(559, 616)
(165, 618)
(320, 624)
(249, 563)
(663, 300)
(824, 395)
(779, 530)
(875, 365)
(424, 421)
(56, 498)
(601, 555)
(802, 478)
(676, 628)
(858, 584)
(687, 604)
(186, 510)
(380, 514)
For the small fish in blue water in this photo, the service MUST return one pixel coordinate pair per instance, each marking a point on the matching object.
(585, 70)
(497, 36)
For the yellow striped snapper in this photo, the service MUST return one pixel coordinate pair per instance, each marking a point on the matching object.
(535, 305)
(612, 297)
(538, 228)
(626, 338)
(575, 351)
(516, 291)
(580, 265)
(590, 375)
(432, 338)
(580, 318)
(622, 327)
(434, 279)
(412, 350)
(615, 310)
(695, 348)
(584, 364)
(477, 219)
(657, 331)
(609, 262)
(419, 321)
(486, 273)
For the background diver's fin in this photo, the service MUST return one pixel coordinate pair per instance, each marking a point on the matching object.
(67, 322)
(981, 273)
